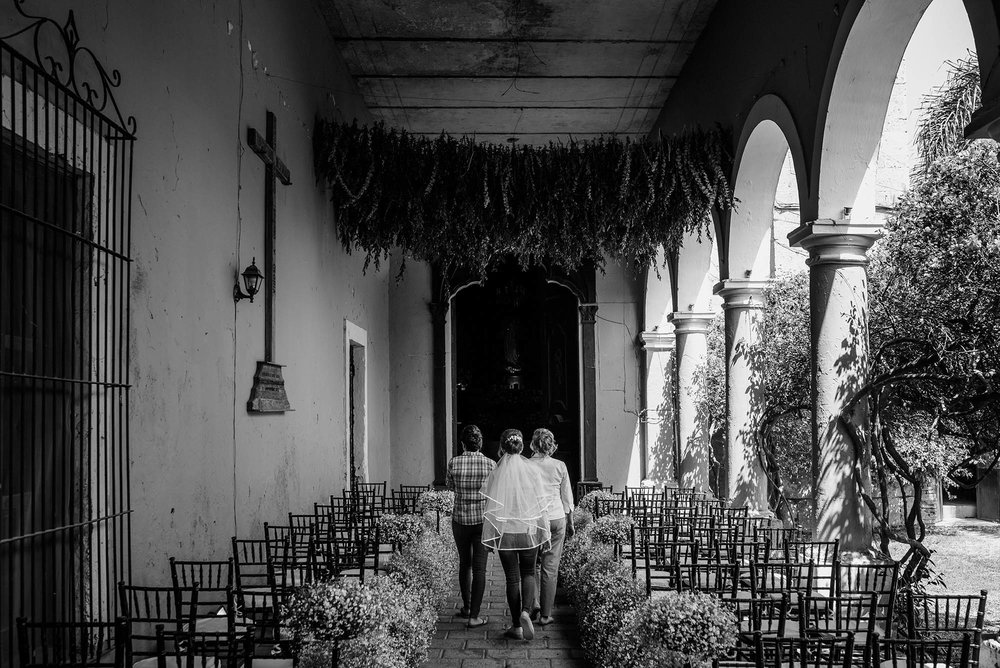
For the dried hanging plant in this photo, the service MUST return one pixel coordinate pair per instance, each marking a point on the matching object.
(467, 205)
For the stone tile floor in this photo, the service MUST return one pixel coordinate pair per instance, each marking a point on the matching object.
(455, 646)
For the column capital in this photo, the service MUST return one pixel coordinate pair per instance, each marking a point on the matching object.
(655, 341)
(835, 241)
(740, 293)
(588, 314)
(688, 322)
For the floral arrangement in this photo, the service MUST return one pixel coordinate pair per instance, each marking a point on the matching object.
(582, 519)
(400, 529)
(577, 552)
(388, 621)
(604, 593)
(402, 632)
(427, 563)
(328, 611)
(612, 529)
(465, 205)
(589, 501)
(442, 501)
(676, 630)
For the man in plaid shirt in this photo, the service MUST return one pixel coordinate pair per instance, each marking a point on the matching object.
(466, 474)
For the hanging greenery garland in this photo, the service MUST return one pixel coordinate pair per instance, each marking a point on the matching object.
(467, 205)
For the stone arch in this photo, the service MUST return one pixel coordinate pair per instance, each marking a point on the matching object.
(986, 33)
(866, 57)
(769, 133)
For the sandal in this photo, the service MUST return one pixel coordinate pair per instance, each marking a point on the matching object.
(464, 612)
(545, 621)
(527, 629)
(476, 623)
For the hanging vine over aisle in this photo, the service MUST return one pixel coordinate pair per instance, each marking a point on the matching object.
(467, 205)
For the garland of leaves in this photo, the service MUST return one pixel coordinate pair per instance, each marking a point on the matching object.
(466, 205)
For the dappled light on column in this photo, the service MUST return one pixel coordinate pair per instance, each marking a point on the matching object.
(745, 481)
(838, 305)
(691, 330)
(659, 417)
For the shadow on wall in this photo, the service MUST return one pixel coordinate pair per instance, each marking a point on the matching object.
(696, 459)
(661, 457)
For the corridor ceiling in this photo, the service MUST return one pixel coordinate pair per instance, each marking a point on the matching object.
(535, 70)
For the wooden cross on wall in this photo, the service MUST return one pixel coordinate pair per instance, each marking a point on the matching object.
(268, 393)
(273, 167)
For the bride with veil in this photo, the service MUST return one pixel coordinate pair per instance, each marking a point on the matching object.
(516, 525)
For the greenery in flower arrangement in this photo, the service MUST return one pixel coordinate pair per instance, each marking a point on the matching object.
(400, 530)
(577, 552)
(323, 614)
(582, 518)
(612, 529)
(402, 631)
(467, 205)
(442, 501)
(427, 563)
(589, 501)
(604, 596)
(675, 630)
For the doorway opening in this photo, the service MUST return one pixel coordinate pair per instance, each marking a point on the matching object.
(517, 360)
(357, 405)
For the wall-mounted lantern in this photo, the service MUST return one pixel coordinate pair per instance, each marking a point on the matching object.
(252, 278)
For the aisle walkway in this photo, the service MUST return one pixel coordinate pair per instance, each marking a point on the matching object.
(454, 646)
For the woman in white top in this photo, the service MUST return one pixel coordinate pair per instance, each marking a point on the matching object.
(556, 486)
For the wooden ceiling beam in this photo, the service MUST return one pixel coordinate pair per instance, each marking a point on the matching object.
(504, 40)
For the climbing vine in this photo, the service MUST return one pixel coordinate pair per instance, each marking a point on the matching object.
(468, 205)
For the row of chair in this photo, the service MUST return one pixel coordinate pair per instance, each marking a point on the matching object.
(223, 613)
(845, 650)
(784, 585)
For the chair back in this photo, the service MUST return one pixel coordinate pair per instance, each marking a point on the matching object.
(768, 615)
(948, 617)
(76, 644)
(863, 579)
(250, 563)
(808, 652)
(201, 649)
(838, 614)
(585, 487)
(771, 578)
(722, 580)
(920, 652)
(272, 639)
(145, 608)
(214, 582)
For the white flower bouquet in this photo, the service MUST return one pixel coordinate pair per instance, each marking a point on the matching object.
(441, 501)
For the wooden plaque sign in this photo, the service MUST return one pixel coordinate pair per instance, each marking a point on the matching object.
(268, 393)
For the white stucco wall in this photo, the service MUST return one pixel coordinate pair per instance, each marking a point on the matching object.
(619, 359)
(412, 375)
(202, 467)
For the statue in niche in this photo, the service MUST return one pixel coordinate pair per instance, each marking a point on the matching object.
(512, 354)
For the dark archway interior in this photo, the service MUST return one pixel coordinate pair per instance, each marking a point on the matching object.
(517, 360)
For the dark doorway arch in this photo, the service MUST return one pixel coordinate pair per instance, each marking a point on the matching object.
(516, 349)
(516, 359)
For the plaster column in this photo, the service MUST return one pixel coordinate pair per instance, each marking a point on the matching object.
(694, 440)
(745, 480)
(838, 313)
(660, 443)
(439, 317)
(588, 345)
